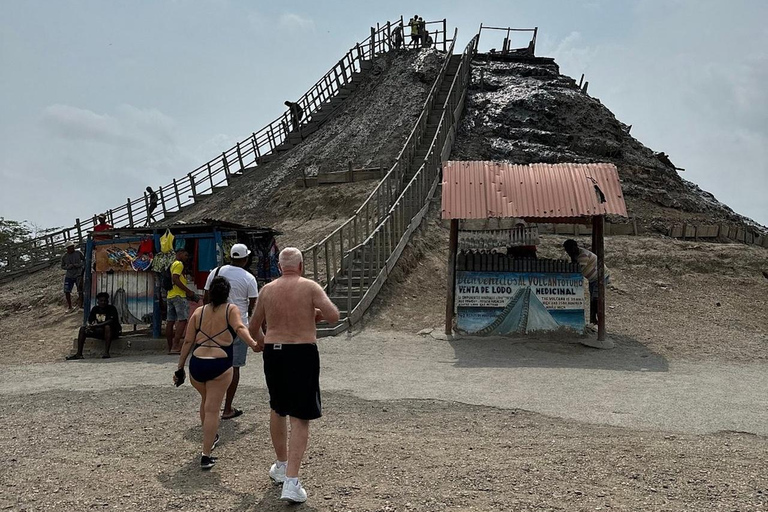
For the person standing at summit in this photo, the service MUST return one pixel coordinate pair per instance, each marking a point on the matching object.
(152, 205)
(415, 35)
(243, 294)
(291, 306)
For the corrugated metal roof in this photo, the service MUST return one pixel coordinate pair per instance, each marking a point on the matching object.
(479, 190)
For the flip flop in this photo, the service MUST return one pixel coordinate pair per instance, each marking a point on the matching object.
(235, 414)
(73, 357)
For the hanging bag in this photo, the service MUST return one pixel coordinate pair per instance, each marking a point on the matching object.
(166, 241)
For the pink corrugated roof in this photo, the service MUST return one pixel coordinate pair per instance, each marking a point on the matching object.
(480, 190)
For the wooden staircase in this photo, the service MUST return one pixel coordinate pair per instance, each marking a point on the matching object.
(361, 266)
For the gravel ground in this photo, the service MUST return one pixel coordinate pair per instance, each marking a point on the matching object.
(137, 449)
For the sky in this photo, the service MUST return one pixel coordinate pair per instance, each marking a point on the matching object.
(100, 98)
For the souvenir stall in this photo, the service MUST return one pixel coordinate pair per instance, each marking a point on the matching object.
(127, 264)
(496, 283)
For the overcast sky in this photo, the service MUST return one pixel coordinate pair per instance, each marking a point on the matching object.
(99, 99)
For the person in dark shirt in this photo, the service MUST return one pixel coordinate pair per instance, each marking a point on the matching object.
(103, 324)
(397, 37)
(152, 205)
(297, 113)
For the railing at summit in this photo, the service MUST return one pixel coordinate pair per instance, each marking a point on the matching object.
(245, 155)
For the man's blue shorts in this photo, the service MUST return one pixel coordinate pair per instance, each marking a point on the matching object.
(71, 282)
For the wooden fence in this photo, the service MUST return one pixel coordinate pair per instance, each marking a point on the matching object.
(684, 231)
(246, 155)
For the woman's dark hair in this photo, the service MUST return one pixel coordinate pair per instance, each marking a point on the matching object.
(219, 291)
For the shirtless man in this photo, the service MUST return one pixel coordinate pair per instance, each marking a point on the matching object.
(291, 306)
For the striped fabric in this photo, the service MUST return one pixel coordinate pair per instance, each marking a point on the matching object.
(588, 264)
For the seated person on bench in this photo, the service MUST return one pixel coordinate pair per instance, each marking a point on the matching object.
(103, 324)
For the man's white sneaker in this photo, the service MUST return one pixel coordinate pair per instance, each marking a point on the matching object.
(294, 493)
(277, 473)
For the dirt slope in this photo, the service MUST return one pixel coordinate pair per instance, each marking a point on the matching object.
(369, 130)
(529, 112)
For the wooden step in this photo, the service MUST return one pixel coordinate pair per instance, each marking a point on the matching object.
(332, 330)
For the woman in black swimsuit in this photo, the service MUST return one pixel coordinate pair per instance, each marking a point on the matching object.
(210, 368)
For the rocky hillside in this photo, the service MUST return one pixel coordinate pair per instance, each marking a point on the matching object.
(526, 111)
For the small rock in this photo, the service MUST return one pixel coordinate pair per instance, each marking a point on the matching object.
(426, 331)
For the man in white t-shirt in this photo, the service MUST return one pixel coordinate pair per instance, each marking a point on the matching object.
(243, 293)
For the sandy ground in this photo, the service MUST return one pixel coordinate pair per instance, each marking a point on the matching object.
(135, 449)
(410, 423)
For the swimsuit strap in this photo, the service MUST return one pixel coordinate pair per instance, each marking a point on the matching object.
(211, 338)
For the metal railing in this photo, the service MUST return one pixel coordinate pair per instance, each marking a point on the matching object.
(323, 260)
(245, 155)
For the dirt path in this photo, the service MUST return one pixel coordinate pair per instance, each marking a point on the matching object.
(628, 386)
(411, 423)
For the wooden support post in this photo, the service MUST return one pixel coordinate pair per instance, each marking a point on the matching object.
(240, 157)
(271, 137)
(314, 264)
(453, 242)
(255, 148)
(130, 213)
(373, 42)
(79, 231)
(327, 269)
(226, 166)
(598, 225)
(176, 191)
(445, 35)
(343, 69)
(111, 218)
(210, 175)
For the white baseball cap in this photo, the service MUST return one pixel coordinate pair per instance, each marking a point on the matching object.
(239, 251)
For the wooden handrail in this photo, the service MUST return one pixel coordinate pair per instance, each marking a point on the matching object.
(413, 197)
(410, 144)
(247, 153)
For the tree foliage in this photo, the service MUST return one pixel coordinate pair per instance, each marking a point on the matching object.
(14, 231)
